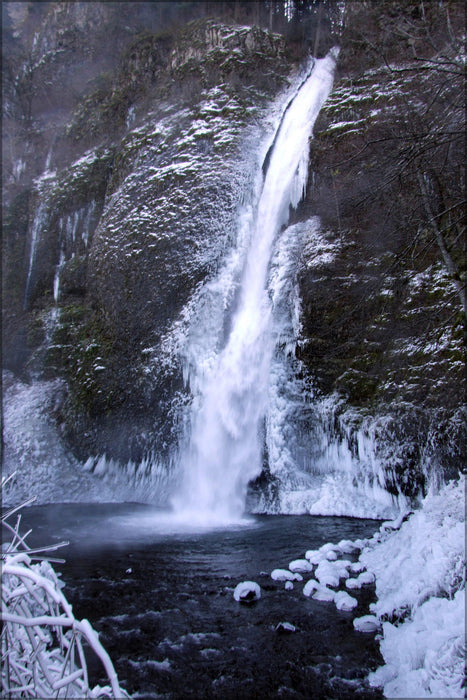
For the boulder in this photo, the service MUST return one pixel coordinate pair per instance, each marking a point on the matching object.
(247, 592)
(285, 575)
(324, 594)
(367, 623)
(310, 586)
(285, 628)
(344, 601)
(301, 566)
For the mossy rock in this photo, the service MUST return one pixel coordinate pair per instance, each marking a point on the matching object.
(36, 331)
(73, 276)
(359, 387)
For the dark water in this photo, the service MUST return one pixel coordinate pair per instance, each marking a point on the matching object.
(163, 604)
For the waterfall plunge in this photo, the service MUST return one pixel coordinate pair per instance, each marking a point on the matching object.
(225, 452)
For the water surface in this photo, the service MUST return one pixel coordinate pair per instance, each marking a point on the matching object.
(161, 598)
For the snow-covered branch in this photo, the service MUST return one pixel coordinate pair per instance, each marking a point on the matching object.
(41, 640)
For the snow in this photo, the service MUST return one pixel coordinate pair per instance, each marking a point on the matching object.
(336, 493)
(356, 567)
(347, 546)
(417, 562)
(367, 623)
(310, 587)
(301, 566)
(285, 627)
(353, 583)
(425, 657)
(341, 566)
(43, 465)
(284, 575)
(324, 594)
(331, 555)
(344, 601)
(40, 655)
(327, 547)
(345, 125)
(247, 592)
(327, 575)
(434, 536)
(318, 251)
(314, 556)
(86, 160)
(420, 577)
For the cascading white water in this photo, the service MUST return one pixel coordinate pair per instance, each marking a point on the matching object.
(44, 185)
(37, 225)
(71, 243)
(226, 445)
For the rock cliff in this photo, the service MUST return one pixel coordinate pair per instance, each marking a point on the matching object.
(383, 315)
(135, 207)
(127, 163)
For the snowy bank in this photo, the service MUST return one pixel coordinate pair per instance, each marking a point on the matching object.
(420, 585)
(418, 565)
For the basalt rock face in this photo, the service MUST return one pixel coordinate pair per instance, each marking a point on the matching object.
(134, 209)
(383, 324)
(127, 164)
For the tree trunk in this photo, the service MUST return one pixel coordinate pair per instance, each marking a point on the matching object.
(447, 259)
(318, 30)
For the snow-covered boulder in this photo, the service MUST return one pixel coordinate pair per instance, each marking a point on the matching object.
(301, 566)
(366, 577)
(344, 601)
(330, 573)
(363, 579)
(357, 567)
(247, 592)
(315, 556)
(367, 623)
(327, 577)
(310, 586)
(341, 567)
(285, 575)
(353, 583)
(288, 586)
(324, 594)
(285, 627)
(327, 547)
(347, 546)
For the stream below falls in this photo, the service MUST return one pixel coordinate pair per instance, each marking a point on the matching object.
(161, 598)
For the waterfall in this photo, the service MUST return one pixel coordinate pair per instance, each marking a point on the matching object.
(44, 185)
(37, 225)
(231, 379)
(58, 269)
(74, 231)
